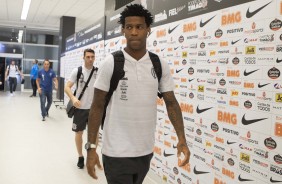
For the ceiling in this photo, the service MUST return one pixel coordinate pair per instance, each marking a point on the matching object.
(45, 15)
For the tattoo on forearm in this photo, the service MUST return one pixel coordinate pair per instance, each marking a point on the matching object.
(174, 113)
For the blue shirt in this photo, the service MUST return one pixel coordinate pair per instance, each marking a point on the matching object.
(34, 71)
(46, 79)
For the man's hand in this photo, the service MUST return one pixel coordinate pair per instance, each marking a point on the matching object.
(75, 102)
(183, 148)
(39, 90)
(91, 161)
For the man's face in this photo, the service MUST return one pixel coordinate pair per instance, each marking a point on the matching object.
(136, 31)
(13, 63)
(89, 58)
(46, 65)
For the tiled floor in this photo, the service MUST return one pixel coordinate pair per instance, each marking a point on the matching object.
(37, 152)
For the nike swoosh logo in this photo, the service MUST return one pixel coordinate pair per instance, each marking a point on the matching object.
(116, 42)
(174, 146)
(248, 122)
(199, 172)
(199, 111)
(249, 73)
(167, 155)
(274, 181)
(190, 80)
(241, 179)
(250, 14)
(160, 118)
(177, 71)
(202, 24)
(165, 134)
(278, 60)
(106, 44)
(261, 86)
(162, 49)
(230, 142)
(235, 41)
(171, 30)
(175, 48)
(158, 167)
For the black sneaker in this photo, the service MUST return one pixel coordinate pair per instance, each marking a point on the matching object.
(43, 119)
(80, 163)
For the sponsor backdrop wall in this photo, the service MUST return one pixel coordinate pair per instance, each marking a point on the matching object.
(90, 37)
(225, 58)
(226, 65)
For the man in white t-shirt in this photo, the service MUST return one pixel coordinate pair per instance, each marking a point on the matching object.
(130, 123)
(80, 118)
(11, 74)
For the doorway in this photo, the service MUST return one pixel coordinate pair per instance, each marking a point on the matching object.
(2, 73)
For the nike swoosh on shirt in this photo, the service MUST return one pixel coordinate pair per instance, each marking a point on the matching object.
(242, 179)
(202, 24)
(249, 73)
(261, 86)
(190, 80)
(233, 42)
(171, 30)
(199, 111)
(248, 122)
(251, 14)
(274, 181)
(278, 60)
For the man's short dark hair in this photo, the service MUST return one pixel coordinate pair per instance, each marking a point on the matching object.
(88, 50)
(36, 61)
(136, 10)
(46, 60)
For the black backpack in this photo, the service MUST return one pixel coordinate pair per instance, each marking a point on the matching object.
(118, 74)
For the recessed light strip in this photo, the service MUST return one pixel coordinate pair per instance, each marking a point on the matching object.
(25, 9)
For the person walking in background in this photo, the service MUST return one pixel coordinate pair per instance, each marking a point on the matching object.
(130, 123)
(44, 82)
(80, 118)
(33, 77)
(11, 74)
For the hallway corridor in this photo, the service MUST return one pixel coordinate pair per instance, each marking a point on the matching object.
(35, 151)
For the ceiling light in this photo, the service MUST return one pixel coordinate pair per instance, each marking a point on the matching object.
(25, 9)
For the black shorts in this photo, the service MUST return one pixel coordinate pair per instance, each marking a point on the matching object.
(126, 170)
(80, 120)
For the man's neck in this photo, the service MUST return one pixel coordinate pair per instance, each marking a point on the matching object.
(89, 67)
(136, 54)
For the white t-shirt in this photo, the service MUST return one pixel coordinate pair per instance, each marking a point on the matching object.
(12, 71)
(87, 97)
(130, 122)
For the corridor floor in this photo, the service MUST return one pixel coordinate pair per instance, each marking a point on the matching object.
(33, 151)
